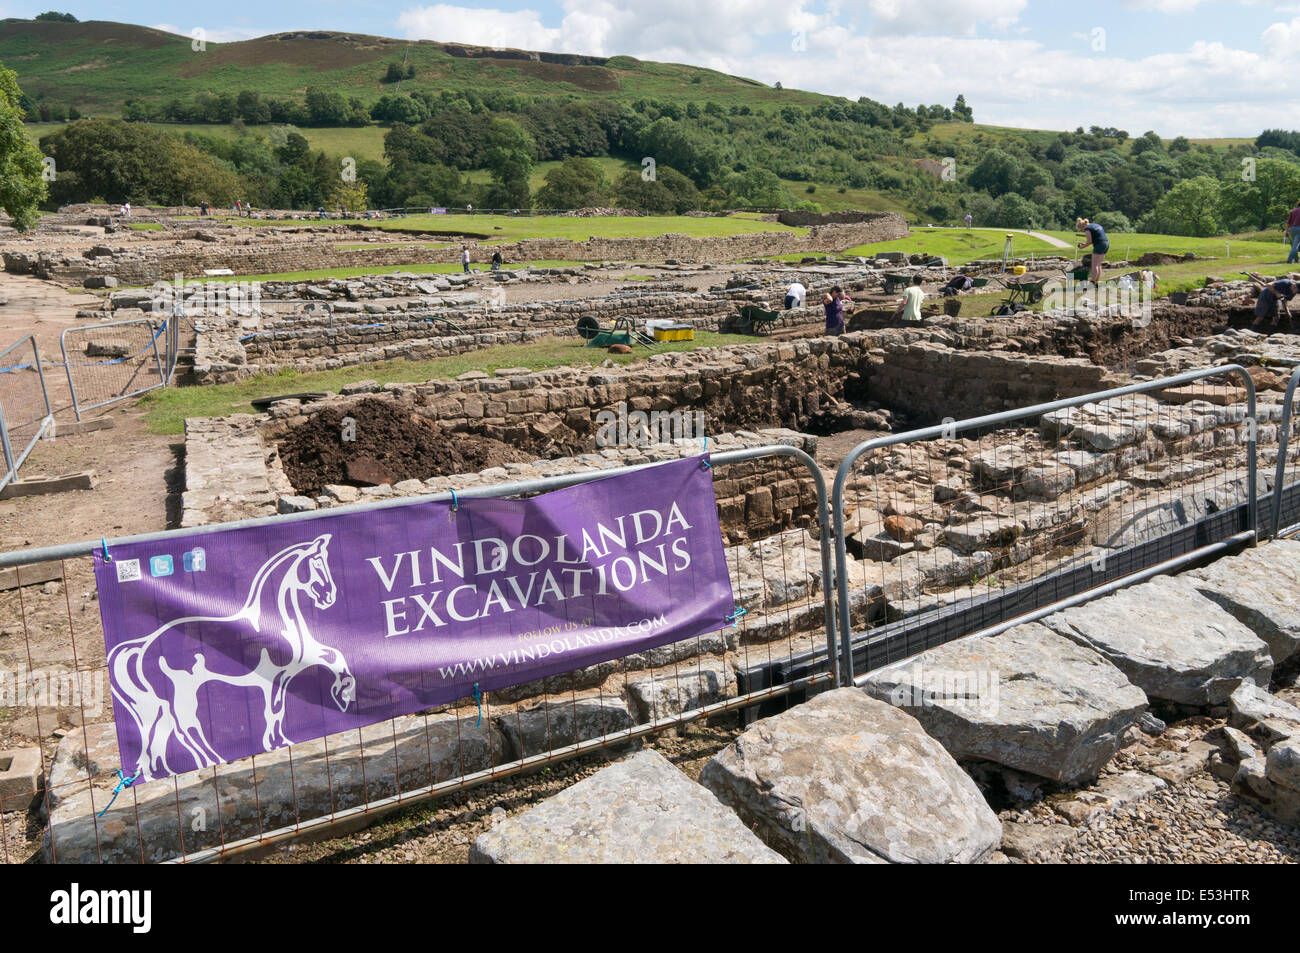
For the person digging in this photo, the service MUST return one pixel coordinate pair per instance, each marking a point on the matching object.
(1273, 302)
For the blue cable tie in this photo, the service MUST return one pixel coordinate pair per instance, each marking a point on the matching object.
(123, 782)
(103, 541)
(455, 503)
(478, 700)
(734, 618)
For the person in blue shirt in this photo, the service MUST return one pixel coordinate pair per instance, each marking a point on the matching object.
(1096, 235)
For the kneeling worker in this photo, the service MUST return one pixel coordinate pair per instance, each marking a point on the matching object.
(795, 295)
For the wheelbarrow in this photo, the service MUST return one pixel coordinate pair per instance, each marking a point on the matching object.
(1023, 291)
(895, 282)
(623, 331)
(755, 320)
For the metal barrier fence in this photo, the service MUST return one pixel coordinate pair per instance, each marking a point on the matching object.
(966, 526)
(58, 669)
(1284, 504)
(25, 414)
(130, 362)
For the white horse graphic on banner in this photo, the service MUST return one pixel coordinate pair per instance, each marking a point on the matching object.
(158, 678)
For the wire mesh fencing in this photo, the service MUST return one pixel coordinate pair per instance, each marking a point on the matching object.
(108, 362)
(952, 529)
(1283, 512)
(55, 700)
(25, 414)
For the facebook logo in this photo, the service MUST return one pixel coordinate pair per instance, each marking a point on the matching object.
(160, 566)
(195, 560)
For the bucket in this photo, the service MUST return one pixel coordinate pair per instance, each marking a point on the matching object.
(1018, 270)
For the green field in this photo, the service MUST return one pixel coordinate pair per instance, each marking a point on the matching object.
(167, 408)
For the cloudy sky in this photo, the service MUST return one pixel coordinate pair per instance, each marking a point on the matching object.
(1193, 67)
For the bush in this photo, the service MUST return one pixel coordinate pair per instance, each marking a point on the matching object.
(1113, 221)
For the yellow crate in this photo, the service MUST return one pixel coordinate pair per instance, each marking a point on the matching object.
(682, 332)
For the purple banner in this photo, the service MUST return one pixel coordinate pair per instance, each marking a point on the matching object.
(222, 645)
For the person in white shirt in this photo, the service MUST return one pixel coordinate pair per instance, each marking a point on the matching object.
(910, 308)
(464, 258)
(795, 295)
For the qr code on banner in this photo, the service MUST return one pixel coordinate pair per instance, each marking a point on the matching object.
(128, 570)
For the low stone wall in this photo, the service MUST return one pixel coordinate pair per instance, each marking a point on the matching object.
(140, 264)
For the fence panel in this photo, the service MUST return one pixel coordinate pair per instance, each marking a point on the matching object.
(1283, 512)
(108, 362)
(25, 414)
(958, 528)
(58, 700)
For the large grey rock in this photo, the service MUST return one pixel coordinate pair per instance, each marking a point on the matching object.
(541, 727)
(1170, 641)
(845, 778)
(160, 820)
(1269, 717)
(1028, 699)
(639, 811)
(1261, 589)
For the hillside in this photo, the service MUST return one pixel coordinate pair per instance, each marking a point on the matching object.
(97, 65)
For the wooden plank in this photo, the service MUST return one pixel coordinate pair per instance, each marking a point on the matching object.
(39, 486)
(30, 575)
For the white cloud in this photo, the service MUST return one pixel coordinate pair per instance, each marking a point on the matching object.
(1283, 38)
(949, 17)
(522, 28)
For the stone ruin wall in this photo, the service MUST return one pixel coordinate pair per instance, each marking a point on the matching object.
(140, 265)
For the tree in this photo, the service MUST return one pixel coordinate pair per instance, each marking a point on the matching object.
(1191, 207)
(22, 181)
(509, 159)
(350, 195)
(996, 173)
(394, 73)
(575, 183)
(961, 111)
(52, 17)
(1113, 221)
(669, 193)
(1262, 199)
(118, 161)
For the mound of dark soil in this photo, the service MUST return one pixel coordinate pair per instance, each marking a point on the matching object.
(390, 445)
(1160, 258)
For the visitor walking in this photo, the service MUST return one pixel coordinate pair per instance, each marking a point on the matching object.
(795, 295)
(1293, 233)
(496, 260)
(1095, 234)
(969, 218)
(464, 258)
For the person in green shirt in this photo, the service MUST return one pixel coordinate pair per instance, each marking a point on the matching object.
(910, 308)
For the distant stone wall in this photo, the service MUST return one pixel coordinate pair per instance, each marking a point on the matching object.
(142, 265)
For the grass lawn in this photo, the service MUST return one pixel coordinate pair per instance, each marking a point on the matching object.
(168, 407)
(959, 245)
